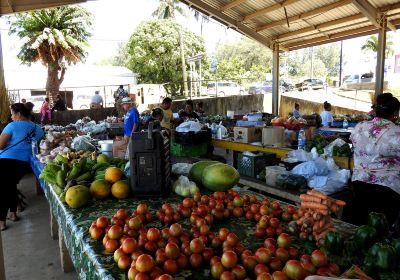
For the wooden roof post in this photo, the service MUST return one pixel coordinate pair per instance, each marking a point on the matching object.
(380, 58)
(275, 79)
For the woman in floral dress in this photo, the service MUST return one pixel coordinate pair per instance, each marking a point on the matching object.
(376, 173)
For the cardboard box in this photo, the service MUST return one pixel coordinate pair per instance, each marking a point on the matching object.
(247, 134)
(273, 136)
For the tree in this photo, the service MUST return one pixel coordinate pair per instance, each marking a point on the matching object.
(55, 37)
(153, 52)
(372, 45)
(330, 56)
(166, 10)
(244, 58)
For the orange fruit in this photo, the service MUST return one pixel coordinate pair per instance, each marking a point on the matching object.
(100, 189)
(113, 174)
(120, 189)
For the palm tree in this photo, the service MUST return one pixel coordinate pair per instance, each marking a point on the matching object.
(372, 45)
(166, 10)
(55, 37)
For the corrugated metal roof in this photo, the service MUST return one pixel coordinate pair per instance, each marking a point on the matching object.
(333, 19)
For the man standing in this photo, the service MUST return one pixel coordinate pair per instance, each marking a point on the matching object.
(296, 111)
(96, 101)
(131, 121)
(121, 93)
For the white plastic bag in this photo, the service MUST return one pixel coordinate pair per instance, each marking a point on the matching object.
(189, 126)
(329, 148)
(181, 168)
(300, 155)
(184, 187)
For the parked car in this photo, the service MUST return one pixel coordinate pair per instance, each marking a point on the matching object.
(37, 102)
(81, 102)
(310, 84)
(224, 88)
(359, 78)
(266, 86)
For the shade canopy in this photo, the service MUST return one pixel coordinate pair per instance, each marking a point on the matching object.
(295, 24)
(15, 6)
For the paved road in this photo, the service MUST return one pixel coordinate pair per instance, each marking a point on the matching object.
(329, 95)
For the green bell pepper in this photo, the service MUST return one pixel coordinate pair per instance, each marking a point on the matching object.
(379, 222)
(396, 245)
(383, 257)
(334, 243)
(364, 237)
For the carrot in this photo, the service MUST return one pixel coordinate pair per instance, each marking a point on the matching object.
(322, 223)
(322, 212)
(334, 208)
(340, 202)
(309, 198)
(314, 205)
(321, 235)
(326, 227)
(319, 194)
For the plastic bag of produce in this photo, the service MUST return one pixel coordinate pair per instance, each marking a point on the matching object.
(189, 126)
(291, 182)
(184, 187)
(181, 168)
(329, 149)
(83, 143)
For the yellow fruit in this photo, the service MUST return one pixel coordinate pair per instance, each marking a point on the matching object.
(77, 196)
(100, 189)
(120, 189)
(113, 174)
(102, 158)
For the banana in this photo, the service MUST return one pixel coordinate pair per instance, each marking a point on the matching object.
(100, 166)
(84, 176)
(74, 172)
(60, 179)
(65, 167)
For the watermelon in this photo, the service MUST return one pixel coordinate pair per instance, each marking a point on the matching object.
(220, 177)
(196, 171)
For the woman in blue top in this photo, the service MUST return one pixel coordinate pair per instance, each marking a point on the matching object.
(15, 151)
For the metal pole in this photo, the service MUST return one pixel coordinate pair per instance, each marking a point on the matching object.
(312, 63)
(275, 80)
(340, 63)
(201, 76)
(380, 61)
(183, 61)
(2, 91)
(105, 97)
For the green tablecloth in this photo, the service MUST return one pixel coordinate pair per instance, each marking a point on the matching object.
(89, 257)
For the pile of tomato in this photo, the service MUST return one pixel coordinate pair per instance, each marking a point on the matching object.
(152, 253)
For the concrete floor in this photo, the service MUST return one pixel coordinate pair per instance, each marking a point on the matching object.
(29, 250)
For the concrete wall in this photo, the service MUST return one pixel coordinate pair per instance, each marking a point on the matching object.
(308, 107)
(220, 105)
(71, 116)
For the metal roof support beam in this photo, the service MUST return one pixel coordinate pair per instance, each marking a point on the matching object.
(314, 12)
(231, 5)
(332, 36)
(380, 60)
(371, 13)
(275, 79)
(321, 26)
(218, 15)
(269, 9)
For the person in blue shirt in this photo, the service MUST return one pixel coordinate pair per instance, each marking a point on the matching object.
(296, 111)
(131, 121)
(15, 152)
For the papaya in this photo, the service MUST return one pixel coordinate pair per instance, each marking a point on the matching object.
(220, 177)
(77, 196)
(196, 172)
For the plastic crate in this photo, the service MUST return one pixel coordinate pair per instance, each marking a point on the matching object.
(181, 150)
(252, 165)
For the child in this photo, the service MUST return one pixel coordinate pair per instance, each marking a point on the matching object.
(45, 110)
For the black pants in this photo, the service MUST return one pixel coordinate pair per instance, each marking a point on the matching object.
(12, 172)
(375, 198)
